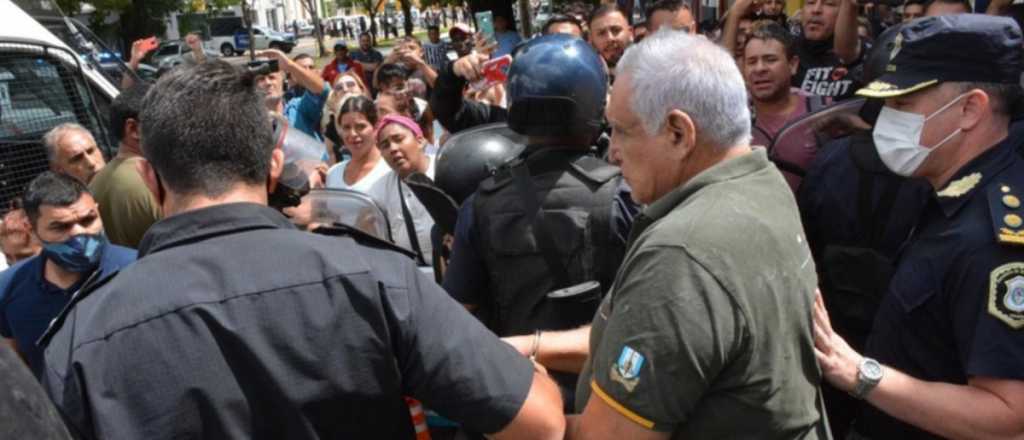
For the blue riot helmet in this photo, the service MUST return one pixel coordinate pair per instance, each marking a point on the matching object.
(557, 87)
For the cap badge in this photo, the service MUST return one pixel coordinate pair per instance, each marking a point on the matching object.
(897, 44)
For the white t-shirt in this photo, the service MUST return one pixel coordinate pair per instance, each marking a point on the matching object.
(336, 176)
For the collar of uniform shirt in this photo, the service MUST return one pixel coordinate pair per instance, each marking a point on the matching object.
(211, 221)
(987, 165)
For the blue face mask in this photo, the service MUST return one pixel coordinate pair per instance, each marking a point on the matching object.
(80, 253)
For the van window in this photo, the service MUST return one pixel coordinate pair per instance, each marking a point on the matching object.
(37, 92)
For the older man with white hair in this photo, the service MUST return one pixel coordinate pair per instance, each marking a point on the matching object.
(706, 332)
(72, 150)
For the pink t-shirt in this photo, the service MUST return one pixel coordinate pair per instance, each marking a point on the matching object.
(797, 149)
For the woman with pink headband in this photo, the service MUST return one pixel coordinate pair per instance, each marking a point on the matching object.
(401, 144)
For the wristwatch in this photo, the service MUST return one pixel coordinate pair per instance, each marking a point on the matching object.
(869, 374)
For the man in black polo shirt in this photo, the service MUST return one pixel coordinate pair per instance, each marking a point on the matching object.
(235, 325)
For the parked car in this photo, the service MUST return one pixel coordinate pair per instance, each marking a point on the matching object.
(170, 53)
(305, 29)
(264, 38)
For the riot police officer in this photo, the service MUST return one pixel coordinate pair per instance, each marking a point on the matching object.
(538, 244)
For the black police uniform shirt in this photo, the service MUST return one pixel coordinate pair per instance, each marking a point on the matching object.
(821, 72)
(955, 307)
(855, 238)
(828, 198)
(233, 324)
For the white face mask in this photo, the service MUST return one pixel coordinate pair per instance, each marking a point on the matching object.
(897, 136)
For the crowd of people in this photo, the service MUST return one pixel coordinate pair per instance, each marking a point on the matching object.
(769, 226)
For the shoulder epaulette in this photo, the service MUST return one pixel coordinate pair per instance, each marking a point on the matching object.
(1006, 211)
(93, 283)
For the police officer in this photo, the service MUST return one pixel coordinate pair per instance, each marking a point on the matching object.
(235, 325)
(857, 215)
(539, 243)
(946, 354)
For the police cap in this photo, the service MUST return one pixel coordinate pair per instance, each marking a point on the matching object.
(956, 48)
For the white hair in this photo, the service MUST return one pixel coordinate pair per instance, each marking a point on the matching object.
(672, 70)
(53, 137)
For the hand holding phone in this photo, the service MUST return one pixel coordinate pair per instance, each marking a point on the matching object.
(149, 44)
(485, 24)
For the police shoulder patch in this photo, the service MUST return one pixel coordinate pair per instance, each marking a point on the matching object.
(626, 370)
(1006, 294)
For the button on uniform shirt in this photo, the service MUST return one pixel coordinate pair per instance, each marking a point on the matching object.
(28, 302)
(706, 332)
(233, 324)
(955, 307)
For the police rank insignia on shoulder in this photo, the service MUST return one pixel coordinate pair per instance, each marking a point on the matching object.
(1007, 215)
(1006, 294)
(960, 186)
(626, 370)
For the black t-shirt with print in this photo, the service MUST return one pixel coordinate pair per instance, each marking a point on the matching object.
(822, 73)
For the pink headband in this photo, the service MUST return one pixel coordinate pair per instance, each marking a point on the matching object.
(400, 120)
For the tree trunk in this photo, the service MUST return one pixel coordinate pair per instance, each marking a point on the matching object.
(407, 12)
(373, 27)
(310, 6)
(525, 19)
(247, 20)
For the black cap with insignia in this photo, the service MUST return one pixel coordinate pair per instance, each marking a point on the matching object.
(957, 48)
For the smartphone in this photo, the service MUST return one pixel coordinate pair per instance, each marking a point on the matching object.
(494, 72)
(485, 24)
(149, 44)
(263, 67)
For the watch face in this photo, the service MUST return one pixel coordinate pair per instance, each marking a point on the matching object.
(872, 370)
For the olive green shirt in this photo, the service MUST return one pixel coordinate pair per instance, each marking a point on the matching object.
(706, 332)
(127, 207)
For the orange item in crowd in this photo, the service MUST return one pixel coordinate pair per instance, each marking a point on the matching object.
(419, 418)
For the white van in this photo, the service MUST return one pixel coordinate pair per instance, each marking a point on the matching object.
(43, 83)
